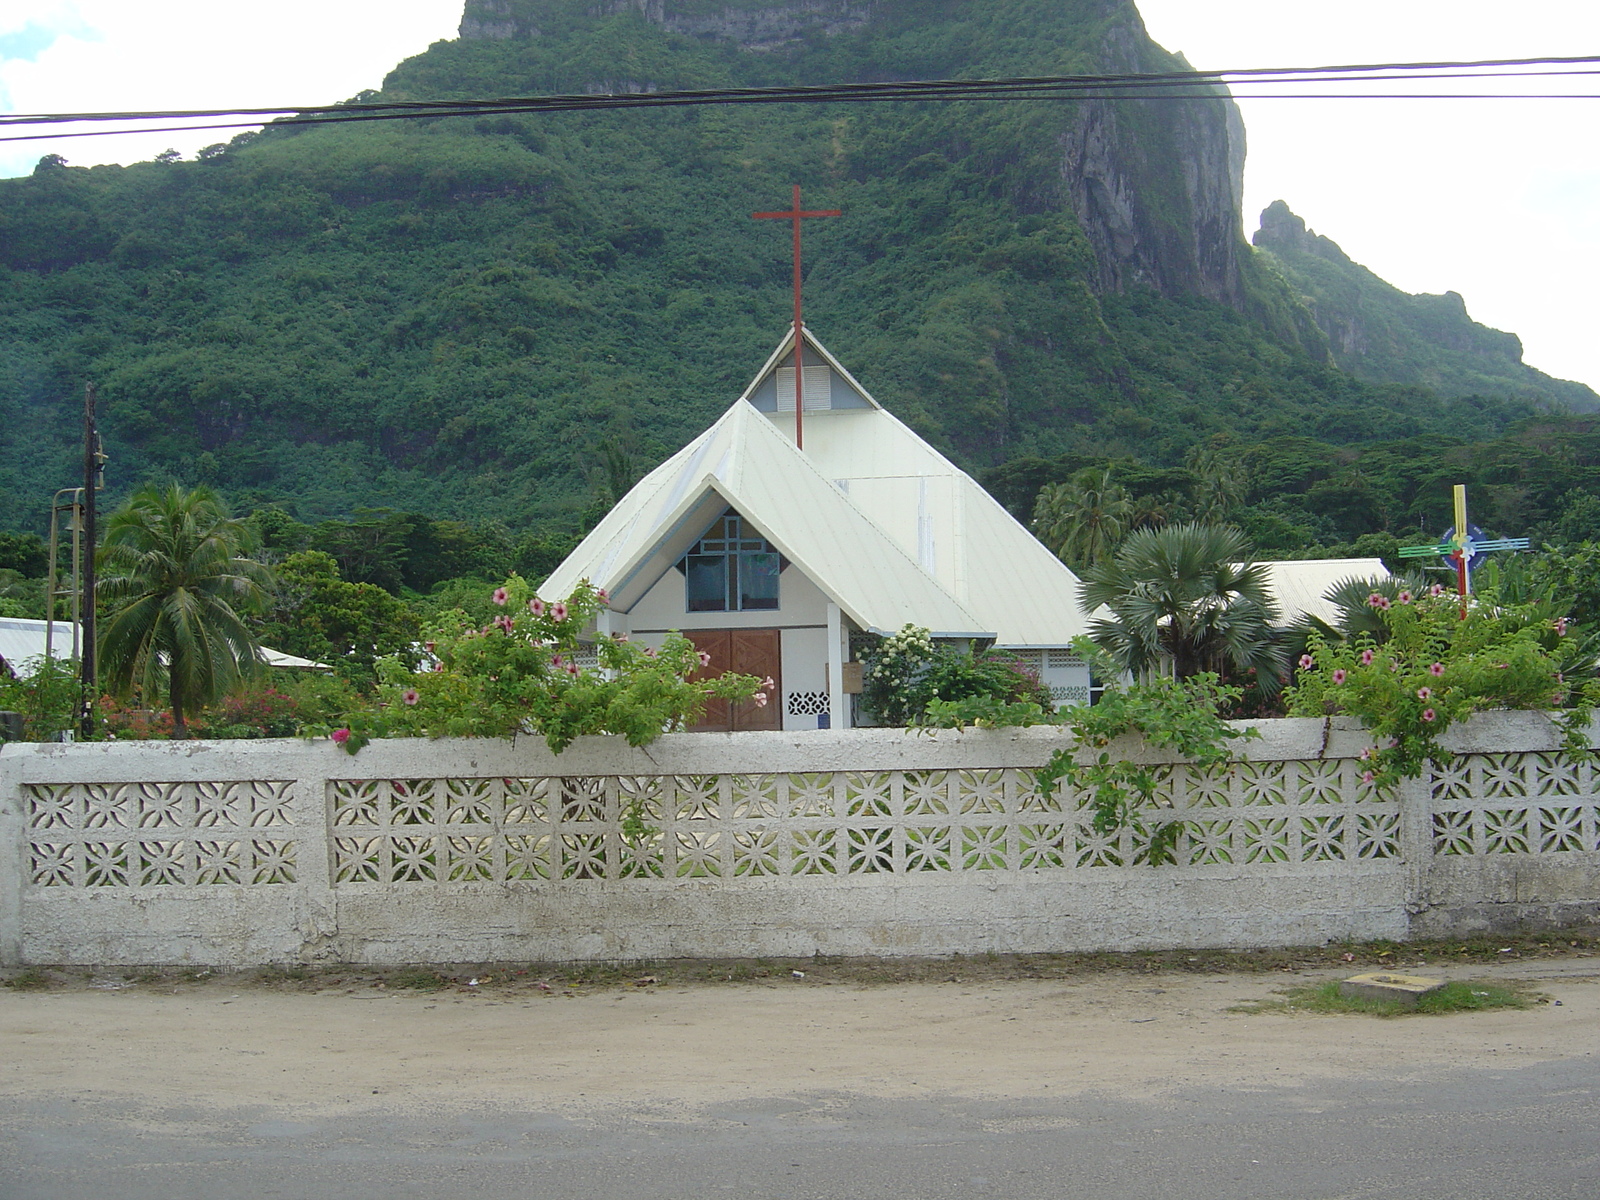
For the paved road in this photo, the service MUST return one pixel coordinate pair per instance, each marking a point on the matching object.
(1529, 1133)
(1519, 1121)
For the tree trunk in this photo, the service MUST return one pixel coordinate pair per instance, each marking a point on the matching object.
(179, 729)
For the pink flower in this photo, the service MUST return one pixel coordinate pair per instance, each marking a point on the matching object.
(619, 637)
(649, 651)
(428, 646)
(1366, 777)
(704, 657)
(1366, 658)
(1436, 590)
(1428, 714)
(602, 595)
(1561, 627)
(1366, 755)
(501, 595)
(760, 698)
(504, 622)
(340, 736)
(1423, 693)
(1306, 662)
(536, 607)
(572, 669)
(1405, 597)
(410, 696)
(1338, 676)
(1436, 670)
(1375, 600)
(767, 685)
(555, 660)
(438, 666)
(558, 611)
(1383, 602)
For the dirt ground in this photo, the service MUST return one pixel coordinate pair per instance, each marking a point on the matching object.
(696, 1032)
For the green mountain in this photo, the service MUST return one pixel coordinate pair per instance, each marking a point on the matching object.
(1383, 335)
(507, 318)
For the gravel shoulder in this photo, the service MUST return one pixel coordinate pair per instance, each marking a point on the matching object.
(641, 1038)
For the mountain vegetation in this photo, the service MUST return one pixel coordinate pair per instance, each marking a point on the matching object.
(439, 349)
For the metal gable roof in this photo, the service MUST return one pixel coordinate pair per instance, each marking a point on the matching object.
(742, 461)
(1301, 585)
(882, 522)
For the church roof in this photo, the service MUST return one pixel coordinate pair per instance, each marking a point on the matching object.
(891, 530)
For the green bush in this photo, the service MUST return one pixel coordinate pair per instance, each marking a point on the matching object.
(908, 679)
(1437, 665)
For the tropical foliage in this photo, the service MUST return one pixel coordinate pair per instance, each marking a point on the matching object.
(1083, 519)
(1434, 667)
(909, 679)
(522, 673)
(1187, 595)
(175, 589)
(1181, 715)
(455, 317)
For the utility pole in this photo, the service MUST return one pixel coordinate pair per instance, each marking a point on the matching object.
(93, 460)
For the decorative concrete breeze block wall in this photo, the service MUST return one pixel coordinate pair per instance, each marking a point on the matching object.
(768, 844)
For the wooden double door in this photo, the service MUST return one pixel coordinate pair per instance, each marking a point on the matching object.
(755, 652)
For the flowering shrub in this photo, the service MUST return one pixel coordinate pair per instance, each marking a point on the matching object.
(520, 673)
(124, 722)
(257, 713)
(909, 680)
(1434, 668)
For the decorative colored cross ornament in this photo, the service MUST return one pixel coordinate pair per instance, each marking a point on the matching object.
(1465, 546)
(797, 214)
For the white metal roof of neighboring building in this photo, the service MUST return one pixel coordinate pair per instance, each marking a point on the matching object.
(1301, 585)
(22, 641)
(882, 522)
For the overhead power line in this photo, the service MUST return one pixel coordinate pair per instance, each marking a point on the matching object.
(1178, 85)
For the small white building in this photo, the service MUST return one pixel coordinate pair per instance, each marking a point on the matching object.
(1301, 585)
(769, 556)
(24, 640)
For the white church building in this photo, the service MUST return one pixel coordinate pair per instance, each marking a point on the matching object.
(769, 556)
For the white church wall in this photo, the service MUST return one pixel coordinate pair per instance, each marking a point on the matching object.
(665, 607)
(805, 677)
(801, 616)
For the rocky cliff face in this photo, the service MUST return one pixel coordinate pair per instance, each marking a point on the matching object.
(757, 28)
(1156, 188)
(1118, 163)
(1384, 335)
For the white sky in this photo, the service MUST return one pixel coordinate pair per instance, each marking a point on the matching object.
(1498, 200)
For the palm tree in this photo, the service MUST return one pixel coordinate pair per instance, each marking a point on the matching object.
(1220, 482)
(174, 584)
(1083, 518)
(1189, 594)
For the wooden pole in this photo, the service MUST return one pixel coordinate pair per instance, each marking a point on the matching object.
(91, 472)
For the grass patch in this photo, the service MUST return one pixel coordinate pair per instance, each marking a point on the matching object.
(30, 980)
(419, 978)
(279, 974)
(1461, 995)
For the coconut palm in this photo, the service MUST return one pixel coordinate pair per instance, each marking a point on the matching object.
(1220, 481)
(174, 583)
(1187, 594)
(1083, 518)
